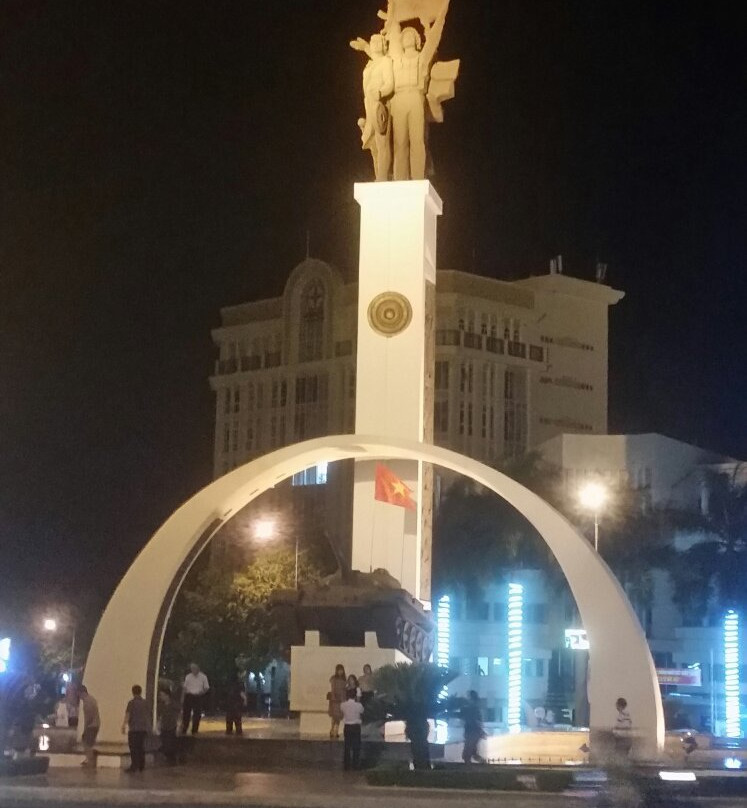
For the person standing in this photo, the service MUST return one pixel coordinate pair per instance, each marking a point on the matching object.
(352, 684)
(473, 729)
(235, 703)
(195, 688)
(623, 730)
(137, 725)
(366, 684)
(168, 717)
(335, 697)
(352, 716)
(91, 724)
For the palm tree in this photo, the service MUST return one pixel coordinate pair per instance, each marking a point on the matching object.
(413, 693)
(716, 567)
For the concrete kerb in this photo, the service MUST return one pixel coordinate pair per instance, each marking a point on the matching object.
(362, 796)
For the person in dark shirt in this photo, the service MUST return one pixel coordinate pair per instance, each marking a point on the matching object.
(235, 703)
(137, 725)
(473, 729)
(169, 711)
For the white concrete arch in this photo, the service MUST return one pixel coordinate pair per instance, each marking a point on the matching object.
(127, 646)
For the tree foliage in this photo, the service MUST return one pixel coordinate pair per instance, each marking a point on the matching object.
(222, 619)
(479, 537)
(712, 572)
(413, 693)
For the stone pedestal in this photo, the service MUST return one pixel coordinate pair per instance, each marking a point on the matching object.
(395, 365)
(312, 665)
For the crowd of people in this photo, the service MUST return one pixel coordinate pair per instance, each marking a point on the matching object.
(347, 699)
(180, 713)
(137, 721)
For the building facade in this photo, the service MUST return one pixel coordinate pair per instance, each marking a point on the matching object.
(516, 363)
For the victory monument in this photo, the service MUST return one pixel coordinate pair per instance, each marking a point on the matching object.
(404, 86)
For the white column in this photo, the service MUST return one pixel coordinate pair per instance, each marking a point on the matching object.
(394, 388)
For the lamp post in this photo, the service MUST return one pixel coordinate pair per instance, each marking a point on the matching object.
(592, 496)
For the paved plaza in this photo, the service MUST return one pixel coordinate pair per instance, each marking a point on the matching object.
(292, 789)
(185, 786)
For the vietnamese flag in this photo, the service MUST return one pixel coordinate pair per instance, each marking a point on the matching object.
(390, 489)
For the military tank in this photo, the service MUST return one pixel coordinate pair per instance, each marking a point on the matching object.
(343, 606)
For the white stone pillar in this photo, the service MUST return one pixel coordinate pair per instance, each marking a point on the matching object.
(395, 363)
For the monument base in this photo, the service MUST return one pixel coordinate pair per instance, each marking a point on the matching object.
(312, 664)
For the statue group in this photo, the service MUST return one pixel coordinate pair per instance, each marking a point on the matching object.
(404, 87)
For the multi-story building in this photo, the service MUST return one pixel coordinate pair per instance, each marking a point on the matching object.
(516, 363)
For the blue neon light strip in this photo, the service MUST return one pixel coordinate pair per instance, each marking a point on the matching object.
(731, 674)
(515, 658)
(443, 635)
(443, 628)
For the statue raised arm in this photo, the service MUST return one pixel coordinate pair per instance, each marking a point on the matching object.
(433, 35)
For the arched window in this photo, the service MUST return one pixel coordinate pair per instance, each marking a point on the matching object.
(311, 332)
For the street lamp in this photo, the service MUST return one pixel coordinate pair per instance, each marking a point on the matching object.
(50, 625)
(592, 496)
(264, 530)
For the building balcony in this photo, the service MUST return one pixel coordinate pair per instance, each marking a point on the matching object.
(251, 363)
(536, 353)
(224, 367)
(448, 337)
(472, 340)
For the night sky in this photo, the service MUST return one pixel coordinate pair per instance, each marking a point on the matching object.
(162, 158)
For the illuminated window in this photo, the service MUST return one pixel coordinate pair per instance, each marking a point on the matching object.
(316, 475)
(4, 654)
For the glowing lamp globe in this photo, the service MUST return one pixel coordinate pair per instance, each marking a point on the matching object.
(264, 529)
(592, 496)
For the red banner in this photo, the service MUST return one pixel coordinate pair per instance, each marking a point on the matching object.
(392, 490)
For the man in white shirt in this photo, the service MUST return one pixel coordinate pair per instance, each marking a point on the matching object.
(352, 718)
(195, 687)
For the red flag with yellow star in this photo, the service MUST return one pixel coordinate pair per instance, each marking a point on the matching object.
(390, 489)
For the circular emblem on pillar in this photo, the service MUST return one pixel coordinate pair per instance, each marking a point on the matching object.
(389, 313)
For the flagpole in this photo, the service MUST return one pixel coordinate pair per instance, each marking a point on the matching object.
(373, 533)
(402, 559)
